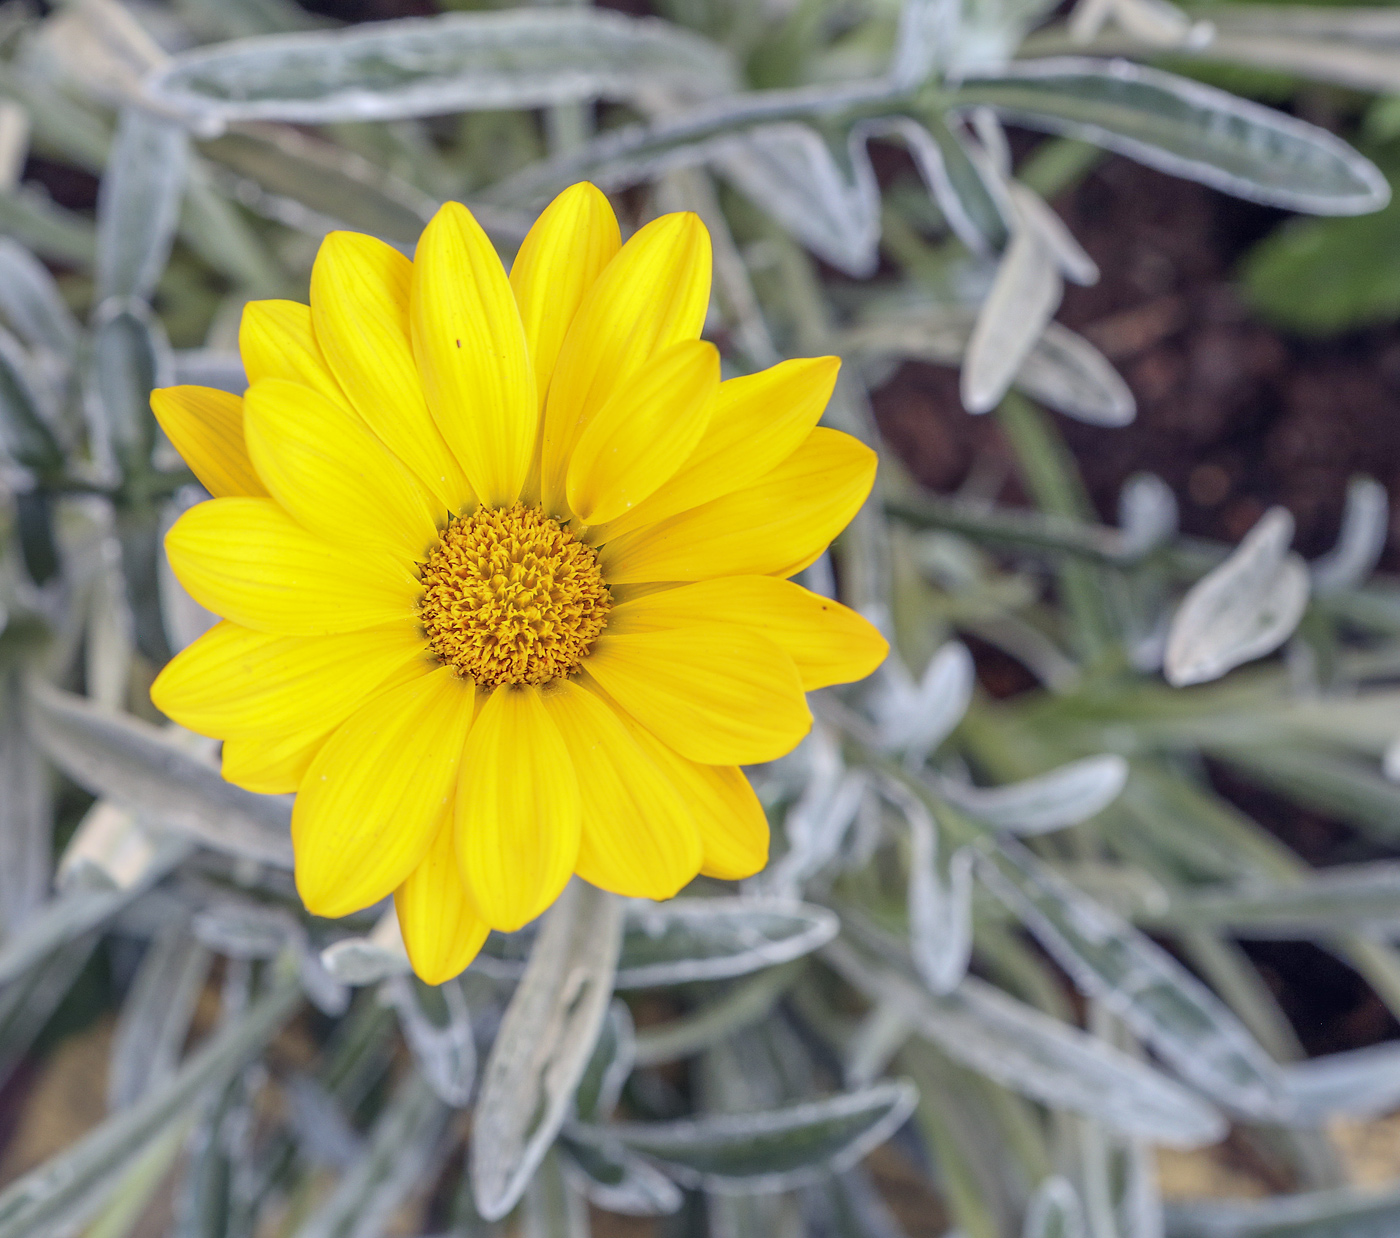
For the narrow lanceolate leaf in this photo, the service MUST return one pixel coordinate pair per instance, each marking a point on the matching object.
(25, 435)
(1342, 1213)
(32, 304)
(404, 1147)
(614, 1055)
(1242, 609)
(26, 814)
(1365, 528)
(156, 1016)
(1344, 898)
(1147, 513)
(915, 718)
(1185, 128)
(826, 197)
(138, 206)
(440, 1038)
(690, 939)
(68, 1187)
(137, 765)
(130, 356)
(1360, 1083)
(1024, 297)
(1040, 1057)
(544, 1043)
(772, 1150)
(1065, 796)
(1054, 1211)
(616, 1180)
(1159, 1000)
(454, 63)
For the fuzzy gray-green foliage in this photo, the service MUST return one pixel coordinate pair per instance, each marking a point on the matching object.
(877, 980)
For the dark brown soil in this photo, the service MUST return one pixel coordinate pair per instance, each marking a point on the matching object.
(1233, 414)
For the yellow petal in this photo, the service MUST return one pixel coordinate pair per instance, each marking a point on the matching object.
(359, 305)
(206, 427)
(828, 642)
(365, 814)
(639, 838)
(236, 682)
(276, 340)
(641, 436)
(756, 423)
(441, 929)
(571, 242)
(762, 530)
(470, 349)
(249, 561)
(334, 477)
(652, 295)
(720, 695)
(518, 810)
(271, 766)
(733, 826)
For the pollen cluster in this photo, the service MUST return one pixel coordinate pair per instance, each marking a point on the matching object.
(512, 597)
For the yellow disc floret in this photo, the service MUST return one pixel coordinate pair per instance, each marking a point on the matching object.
(512, 597)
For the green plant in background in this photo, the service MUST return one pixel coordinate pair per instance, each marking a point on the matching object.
(951, 943)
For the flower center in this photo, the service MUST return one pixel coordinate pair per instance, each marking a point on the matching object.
(510, 596)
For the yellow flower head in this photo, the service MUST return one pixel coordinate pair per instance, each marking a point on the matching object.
(502, 569)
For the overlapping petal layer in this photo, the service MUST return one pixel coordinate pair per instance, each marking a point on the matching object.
(407, 394)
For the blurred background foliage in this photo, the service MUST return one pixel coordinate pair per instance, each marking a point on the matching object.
(1081, 916)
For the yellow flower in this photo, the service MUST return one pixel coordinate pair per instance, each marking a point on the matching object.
(501, 563)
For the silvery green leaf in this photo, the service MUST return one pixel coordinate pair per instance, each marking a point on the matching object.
(25, 434)
(313, 186)
(1359, 1083)
(129, 357)
(848, 1205)
(183, 619)
(742, 1006)
(1242, 609)
(210, 367)
(138, 205)
(928, 29)
(1185, 128)
(69, 1187)
(110, 850)
(916, 718)
(323, 1131)
(136, 764)
(828, 200)
(26, 815)
(1024, 297)
(940, 910)
(875, 1041)
(1040, 1057)
(973, 200)
(1054, 1211)
(816, 825)
(33, 218)
(1062, 369)
(28, 1001)
(1065, 796)
(1068, 373)
(1346, 1212)
(552, 1207)
(242, 929)
(1365, 529)
(1155, 996)
(1346, 897)
(111, 635)
(690, 939)
(773, 1150)
(453, 63)
(1035, 214)
(31, 302)
(616, 1180)
(365, 960)
(545, 1040)
(442, 1043)
(156, 1016)
(403, 1147)
(614, 1055)
(1147, 513)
